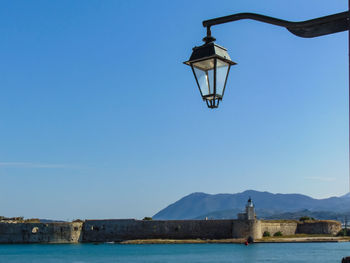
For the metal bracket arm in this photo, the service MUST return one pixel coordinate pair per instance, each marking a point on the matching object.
(309, 28)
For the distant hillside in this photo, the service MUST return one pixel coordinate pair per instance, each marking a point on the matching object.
(222, 214)
(265, 214)
(321, 215)
(232, 214)
(51, 221)
(199, 205)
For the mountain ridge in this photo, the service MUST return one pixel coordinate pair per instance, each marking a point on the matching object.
(198, 204)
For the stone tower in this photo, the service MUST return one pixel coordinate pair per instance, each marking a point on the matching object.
(249, 209)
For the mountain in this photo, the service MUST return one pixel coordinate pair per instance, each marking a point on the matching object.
(266, 214)
(51, 221)
(197, 205)
(232, 214)
(321, 215)
(346, 195)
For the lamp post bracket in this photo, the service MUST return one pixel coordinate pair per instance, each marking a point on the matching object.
(308, 29)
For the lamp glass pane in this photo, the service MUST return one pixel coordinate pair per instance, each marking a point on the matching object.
(221, 73)
(204, 71)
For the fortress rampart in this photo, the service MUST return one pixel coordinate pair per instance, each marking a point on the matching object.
(292, 227)
(328, 227)
(115, 230)
(285, 227)
(130, 229)
(41, 232)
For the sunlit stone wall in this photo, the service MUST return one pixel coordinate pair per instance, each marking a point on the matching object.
(41, 232)
(287, 228)
(328, 227)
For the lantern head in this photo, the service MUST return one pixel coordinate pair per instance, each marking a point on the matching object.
(210, 64)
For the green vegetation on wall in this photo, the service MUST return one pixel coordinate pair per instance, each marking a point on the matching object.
(266, 234)
(278, 234)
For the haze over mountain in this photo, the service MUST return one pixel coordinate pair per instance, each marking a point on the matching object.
(200, 205)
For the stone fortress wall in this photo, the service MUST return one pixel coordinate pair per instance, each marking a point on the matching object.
(327, 227)
(116, 230)
(41, 232)
(285, 227)
(131, 229)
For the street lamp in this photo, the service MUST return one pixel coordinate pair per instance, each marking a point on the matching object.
(211, 63)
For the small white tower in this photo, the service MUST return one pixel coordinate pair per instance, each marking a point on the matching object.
(249, 209)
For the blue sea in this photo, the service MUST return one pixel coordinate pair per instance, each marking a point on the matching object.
(81, 253)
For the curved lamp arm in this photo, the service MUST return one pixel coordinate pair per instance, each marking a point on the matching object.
(309, 28)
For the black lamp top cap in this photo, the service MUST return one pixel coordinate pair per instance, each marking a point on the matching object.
(207, 51)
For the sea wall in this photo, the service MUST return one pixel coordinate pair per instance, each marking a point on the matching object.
(41, 232)
(328, 227)
(285, 227)
(115, 230)
(130, 229)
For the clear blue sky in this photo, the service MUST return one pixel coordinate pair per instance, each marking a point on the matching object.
(99, 118)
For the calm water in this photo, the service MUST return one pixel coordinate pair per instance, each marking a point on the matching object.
(302, 252)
